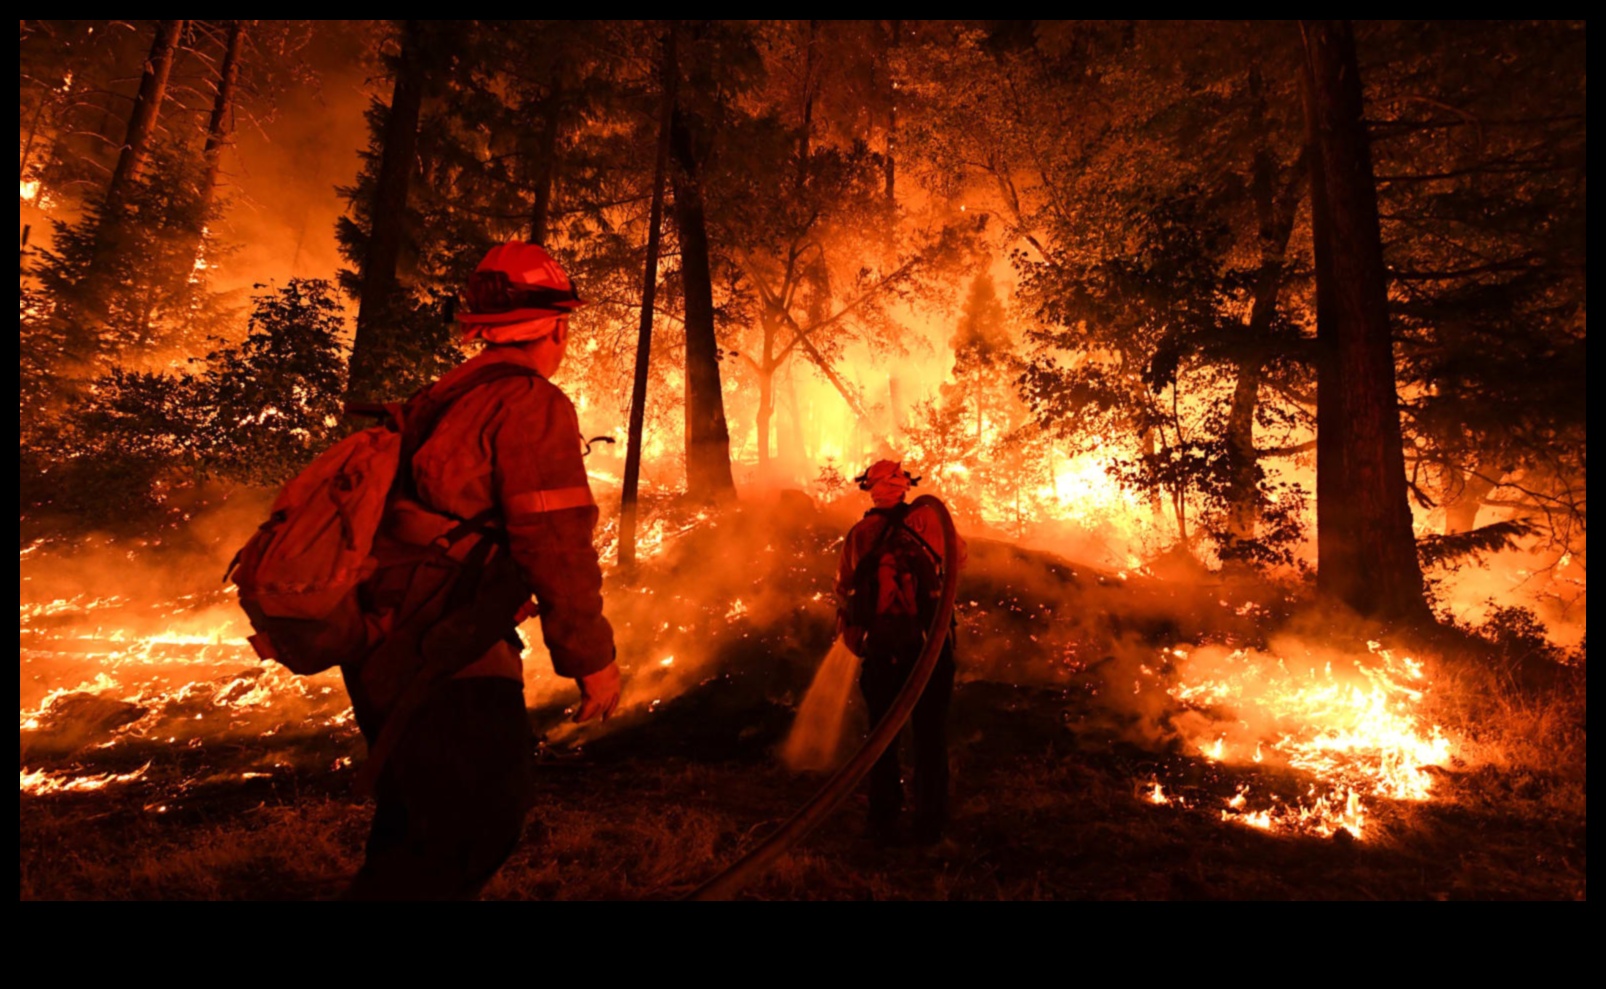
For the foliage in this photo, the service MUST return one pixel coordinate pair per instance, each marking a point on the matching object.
(1437, 550)
(252, 413)
(125, 284)
(1480, 141)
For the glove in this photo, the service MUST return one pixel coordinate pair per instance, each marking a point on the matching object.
(599, 693)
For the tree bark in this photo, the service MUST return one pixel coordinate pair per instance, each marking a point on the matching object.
(95, 289)
(142, 119)
(1243, 468)
(546, 163)
(806, 135)
(1275, 210)
(649, 293)
(1379, 573)
(220, 125)
(218, 129)
(708, 467)
(378, 301)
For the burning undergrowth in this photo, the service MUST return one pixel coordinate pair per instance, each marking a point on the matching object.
(1211, 699)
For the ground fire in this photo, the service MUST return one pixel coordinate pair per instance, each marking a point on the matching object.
(1246, 358)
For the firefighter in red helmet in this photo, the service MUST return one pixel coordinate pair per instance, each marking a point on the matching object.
(887, 592)
(452, 795)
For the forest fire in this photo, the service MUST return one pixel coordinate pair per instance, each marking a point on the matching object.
(1245, 362)
(1358, 733)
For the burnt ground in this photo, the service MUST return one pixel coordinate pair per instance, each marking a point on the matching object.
(1050, 777)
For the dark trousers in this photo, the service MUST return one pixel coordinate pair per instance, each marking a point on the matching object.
(452, 797)
(880, 678)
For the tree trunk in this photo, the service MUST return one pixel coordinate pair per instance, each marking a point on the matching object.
(1151, 448)
(1383, 576)
(142, 118)
(1274, 210)
(1335, 511)
(378, 301)
(1243, 473)
(33, 133)
(546, 160)
(95, 289)
(218, 128)
(649, 293)
(708, 466)
(220, 125)
(806, 134)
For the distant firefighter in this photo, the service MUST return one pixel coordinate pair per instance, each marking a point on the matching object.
(888, 593)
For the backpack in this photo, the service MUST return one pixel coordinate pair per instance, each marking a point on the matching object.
(301, 575)
(895, 587)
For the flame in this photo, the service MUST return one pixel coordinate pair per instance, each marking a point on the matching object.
(179, 672)
(30, 188)
(39, 782)
(1358, 732)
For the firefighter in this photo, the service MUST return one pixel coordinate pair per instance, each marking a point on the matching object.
(452, 795)
(887, 593)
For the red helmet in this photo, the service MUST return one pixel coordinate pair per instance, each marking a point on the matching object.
(883, 471)
(516, 283)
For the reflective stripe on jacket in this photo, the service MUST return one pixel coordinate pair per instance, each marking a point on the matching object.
(513, 444)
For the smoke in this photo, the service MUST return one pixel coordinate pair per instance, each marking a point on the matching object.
(282, 174)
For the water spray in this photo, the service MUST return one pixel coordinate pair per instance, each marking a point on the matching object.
(750, 866)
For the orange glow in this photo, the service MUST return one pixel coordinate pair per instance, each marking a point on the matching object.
(1351, 723)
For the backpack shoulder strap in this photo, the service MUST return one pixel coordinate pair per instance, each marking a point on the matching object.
(892, 520)
(930, 550)
(423, 412)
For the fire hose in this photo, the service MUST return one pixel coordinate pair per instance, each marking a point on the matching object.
(750, 866)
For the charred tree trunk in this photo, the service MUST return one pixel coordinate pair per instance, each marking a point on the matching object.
(1380, 575)
(33, 134)
(1335, 512)
(805, 136)
(1243, 477)
(218, 129)
(1275, 209)
(142, 119)
(765, 368)
(93, 293)
(649, 294)
(546, 163)
(708, 465)
(378, 302)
